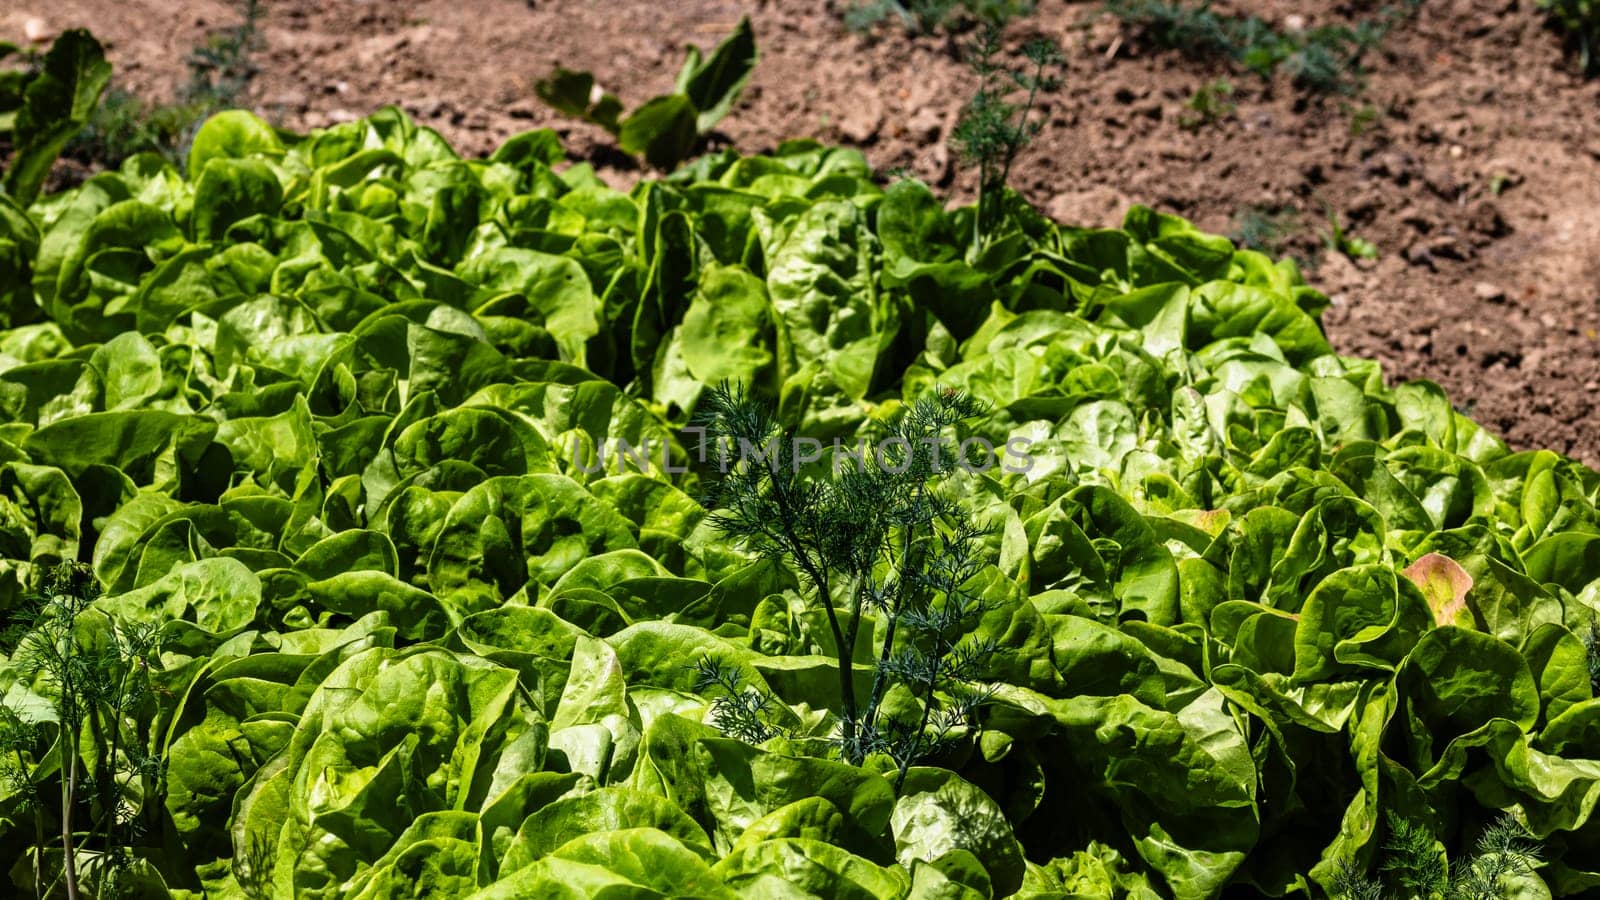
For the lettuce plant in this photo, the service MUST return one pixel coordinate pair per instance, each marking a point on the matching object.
(387, 446)
(664, 130)
(55, 103)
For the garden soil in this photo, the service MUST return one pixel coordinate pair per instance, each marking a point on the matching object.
(1470, 158)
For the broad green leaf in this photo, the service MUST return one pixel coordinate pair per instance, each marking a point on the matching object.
(55, 105)
(714, 85)
(231, 134)
(663, 130)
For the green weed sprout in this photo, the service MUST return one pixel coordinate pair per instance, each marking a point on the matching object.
(1348, 244)
(1210, 104)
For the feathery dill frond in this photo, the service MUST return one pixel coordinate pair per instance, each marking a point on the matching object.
(875, 538)
(993, 128)
(1505, 849)
(1413, 860)
(740, 712)
(96, 672)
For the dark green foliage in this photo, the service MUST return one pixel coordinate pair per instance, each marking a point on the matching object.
(994, 128)
(874, 537)
(1591, 646)
(936, 665)
(1193, 29)
(928, 16)
(1504, 849)
(19, 740)
(1326, 59)
(126, 124)
(1413, 862)
(53, 104)
(1350, 883)
(1580, 19)
(14, 81)
(739, 712)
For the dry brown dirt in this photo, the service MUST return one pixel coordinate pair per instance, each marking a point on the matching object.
(1477, 176)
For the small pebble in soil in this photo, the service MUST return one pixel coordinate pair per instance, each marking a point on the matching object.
(36, 30)
(1488, 293)
(1447, 246)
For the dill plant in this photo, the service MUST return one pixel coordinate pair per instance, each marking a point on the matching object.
(1414, 864)
(874, 539)
(96, 674)
(994, 128)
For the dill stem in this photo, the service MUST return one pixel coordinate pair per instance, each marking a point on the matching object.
(69, 790)
(922, 725)
(38, 830)
(819, 578)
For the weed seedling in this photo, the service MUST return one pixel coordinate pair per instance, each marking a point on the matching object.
(1363, 118)
(1209, 105)
(1346, 243)
(1580, 19)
